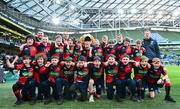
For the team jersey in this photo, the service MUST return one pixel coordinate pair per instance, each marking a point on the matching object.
(96, 73)
(154, 74)
(118, 45)
(68, 73)
(54, 72)
(137, 53)
(107, 52)
(140, 72)
(111, 73)
(24, 72)
(41, 73)
(77, 53)
(85, 53)
(29, 51)
(122, 50)
(82, 73)
(125, 71)
(97, 51)
(41, 48)
(69, 52)
(57, 50)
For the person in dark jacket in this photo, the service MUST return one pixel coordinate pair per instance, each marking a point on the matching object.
(151, 46)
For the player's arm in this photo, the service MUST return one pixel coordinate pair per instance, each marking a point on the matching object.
(115, 62)
(135, 63)
(90, 52)
(10, 65)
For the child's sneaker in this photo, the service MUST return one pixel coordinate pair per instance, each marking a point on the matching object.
(169, 98)
(91, 98)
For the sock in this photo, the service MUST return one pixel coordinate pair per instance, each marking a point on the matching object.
(17, 94)
(167, 88)
(139, 93)
(142, 94)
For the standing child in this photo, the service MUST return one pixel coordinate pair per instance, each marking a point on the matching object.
(55, 81)
(124, 79)
(41, 73)
(125, 49)
(97, 78)
(140, 72)
(68, 69)
(82, 78)
(138, 51)
(111, 70)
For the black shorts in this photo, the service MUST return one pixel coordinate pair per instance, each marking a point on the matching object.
(153, 87)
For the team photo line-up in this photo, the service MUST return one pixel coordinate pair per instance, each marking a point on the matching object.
(82, 69)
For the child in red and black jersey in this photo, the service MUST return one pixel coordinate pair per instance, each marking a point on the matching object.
(68, 69)
(58, 47)
(69, 49)
(97, 50)
(38, 36)
(97, 78)
(119, 41)
(41, 73)
(24, 88)
(109, 49)
(111, 70)
(28, 49)
(140, 72)
(126, 48)
(154, 79)
(124, 79)
(44, 46)
(104, 42)
(55, 81)
(82, 78)
(138, 51)
(77, 51)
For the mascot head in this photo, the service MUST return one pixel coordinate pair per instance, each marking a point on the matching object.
(87, 40)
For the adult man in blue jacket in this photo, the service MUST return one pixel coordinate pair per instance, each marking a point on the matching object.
(151, 46)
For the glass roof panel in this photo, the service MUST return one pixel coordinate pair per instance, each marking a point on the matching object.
(37, 8)
(30, 3)
(97, 5)
(112, 6)
(46, 9)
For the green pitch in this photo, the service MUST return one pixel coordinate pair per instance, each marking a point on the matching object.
(7, 99)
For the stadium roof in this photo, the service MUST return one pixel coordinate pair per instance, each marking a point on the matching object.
(83, 15)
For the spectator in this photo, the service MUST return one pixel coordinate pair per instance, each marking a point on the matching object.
(151, 46)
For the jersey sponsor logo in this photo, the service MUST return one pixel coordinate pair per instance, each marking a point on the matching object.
(98, 54)
(55, 74)
(70, 51)
(82, 73)
(138, 54)
(142, 72)
(113, 72)
(77, 53)
(68, 72)
(29, 74)
(97, 74)
(154, 76)
(36, 68)
(58, 50)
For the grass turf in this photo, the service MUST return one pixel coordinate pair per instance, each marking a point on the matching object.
(7, 99)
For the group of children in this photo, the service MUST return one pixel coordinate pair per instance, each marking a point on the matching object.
(70, 69)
